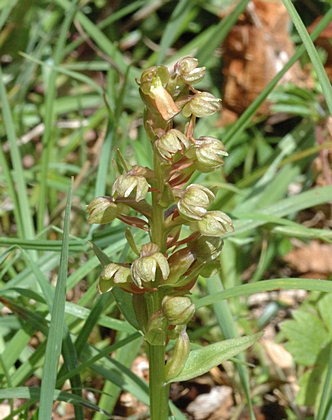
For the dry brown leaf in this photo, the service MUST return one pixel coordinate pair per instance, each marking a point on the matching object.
(218, 400)
(255, 50)
(314, 258)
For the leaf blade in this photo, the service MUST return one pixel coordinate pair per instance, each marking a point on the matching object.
(202, 360)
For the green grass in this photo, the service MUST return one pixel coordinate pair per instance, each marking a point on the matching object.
(84, 99)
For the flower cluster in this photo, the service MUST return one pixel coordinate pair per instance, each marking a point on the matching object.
(166, 264)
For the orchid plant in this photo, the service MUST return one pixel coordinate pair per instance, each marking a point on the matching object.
(184, 238)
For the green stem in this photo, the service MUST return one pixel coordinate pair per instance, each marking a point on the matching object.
(158, 235)
(158, 390)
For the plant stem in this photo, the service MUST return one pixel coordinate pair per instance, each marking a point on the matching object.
(159, 392)
(157, 388)
(158, 235)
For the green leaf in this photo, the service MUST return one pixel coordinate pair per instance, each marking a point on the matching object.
(227, 322)
(311, 386)
(102, 257)
(306, 336)
(202, 360)
(19, 193)
(309, 342)
(125, 304)
(324, 307)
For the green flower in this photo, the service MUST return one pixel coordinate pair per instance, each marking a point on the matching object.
(213, 223)
(187, 70)
(170, 143)
(177, 360)
(103, 210)
(202, 104)
(209, 154)
(114, 275)
(179, 263)
(205, 248)
(154, 93)
(144, 269)
(194, 201)
(178, 309)
(125, 184)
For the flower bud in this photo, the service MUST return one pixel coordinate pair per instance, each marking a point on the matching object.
(188, 72)
(177, 360)
(135, 178)
(103, 210)
(206, 248)
(170, 143)
(201, 105)
(194, 201)
(209, 154)
(144, 268)
(178, 309)
(213, 223)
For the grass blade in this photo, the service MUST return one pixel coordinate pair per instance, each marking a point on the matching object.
(32, 393)
(220, 32)
(48, 139)
(227, 325)
(23, 212)
(312, 52)
(265, 286)
(53, 348)
(172, 29)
